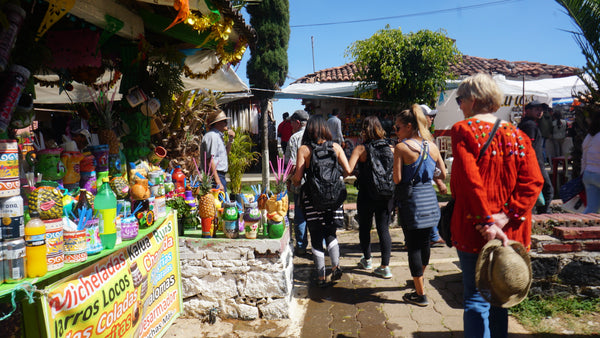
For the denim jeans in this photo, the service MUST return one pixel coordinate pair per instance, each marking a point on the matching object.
(299, 223)
(480, 319)
(591, 181)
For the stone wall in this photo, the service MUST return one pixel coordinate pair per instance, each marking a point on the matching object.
(236, 278)
(568, 261)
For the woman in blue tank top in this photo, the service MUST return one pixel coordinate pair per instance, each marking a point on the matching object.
(415, 160)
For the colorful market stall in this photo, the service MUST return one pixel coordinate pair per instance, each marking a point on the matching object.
(92, 198)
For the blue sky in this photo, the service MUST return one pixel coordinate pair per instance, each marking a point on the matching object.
(513, 30)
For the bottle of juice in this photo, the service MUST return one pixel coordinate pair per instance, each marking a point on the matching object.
(105, 203)
(35, 246)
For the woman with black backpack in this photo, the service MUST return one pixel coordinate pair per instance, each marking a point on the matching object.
(375, 158)
(323, 163)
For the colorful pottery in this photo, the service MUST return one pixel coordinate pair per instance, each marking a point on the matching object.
(47, 162)
(9, 167)
(71, 160)
(47, 200)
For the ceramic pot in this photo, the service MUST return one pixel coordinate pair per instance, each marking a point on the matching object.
(47, 162)
(71, 160)
(9, 162)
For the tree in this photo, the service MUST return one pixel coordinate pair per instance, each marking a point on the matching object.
(586, 16)
(405, 68)
(268, 64)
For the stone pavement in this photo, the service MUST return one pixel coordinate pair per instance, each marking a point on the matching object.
(361, 304)
(364, 305)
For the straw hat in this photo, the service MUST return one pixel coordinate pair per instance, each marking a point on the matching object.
(216, 116)
(503, 274)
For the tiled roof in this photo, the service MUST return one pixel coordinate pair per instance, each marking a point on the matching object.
(470, 65)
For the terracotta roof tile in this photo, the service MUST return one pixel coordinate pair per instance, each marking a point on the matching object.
(470, 65)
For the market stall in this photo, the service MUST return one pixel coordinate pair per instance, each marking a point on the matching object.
(92, 193)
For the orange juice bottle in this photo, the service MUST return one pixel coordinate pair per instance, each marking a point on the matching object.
(35, 247)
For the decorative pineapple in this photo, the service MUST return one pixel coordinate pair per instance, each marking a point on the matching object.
(106, 134)
(105, 122)
(206, 201)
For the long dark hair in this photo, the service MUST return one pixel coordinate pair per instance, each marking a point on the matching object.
(316, 129)
(372, 129)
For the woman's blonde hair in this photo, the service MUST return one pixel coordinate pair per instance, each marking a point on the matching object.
(417, 120)
(484, 90)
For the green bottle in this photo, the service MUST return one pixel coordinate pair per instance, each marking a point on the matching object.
(105, 204)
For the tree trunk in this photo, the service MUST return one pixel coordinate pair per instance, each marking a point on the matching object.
(264, 107)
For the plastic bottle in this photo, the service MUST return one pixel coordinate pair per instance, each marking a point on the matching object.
(179, 180)
(35, 246)
(105, 203)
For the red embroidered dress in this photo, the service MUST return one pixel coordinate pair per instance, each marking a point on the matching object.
(507, 178)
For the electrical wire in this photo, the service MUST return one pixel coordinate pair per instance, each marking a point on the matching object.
(492, 3)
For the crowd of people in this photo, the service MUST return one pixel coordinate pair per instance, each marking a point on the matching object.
(498, 178)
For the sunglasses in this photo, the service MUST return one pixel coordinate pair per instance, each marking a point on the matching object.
(459, 100)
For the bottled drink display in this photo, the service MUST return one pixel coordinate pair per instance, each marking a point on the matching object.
(35, 247)
(105, 203)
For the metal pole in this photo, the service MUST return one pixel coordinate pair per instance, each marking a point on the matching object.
(312, 44)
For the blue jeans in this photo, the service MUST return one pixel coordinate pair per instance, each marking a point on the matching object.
(480, 319)
(435, 234)
(299, 223)
(591, 181)
(223, 181)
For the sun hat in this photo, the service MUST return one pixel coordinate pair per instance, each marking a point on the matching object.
(300, 115)
(216, 116)
(534, 103)
(503, 274)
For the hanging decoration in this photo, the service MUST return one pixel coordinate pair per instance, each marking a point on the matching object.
(56, 10)
(113, 25)
(183, 6)
(66, 85)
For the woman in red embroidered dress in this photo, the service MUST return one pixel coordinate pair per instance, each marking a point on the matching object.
(494, 196)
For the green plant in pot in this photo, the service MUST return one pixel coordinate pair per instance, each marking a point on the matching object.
(185, 217)
(240, 158)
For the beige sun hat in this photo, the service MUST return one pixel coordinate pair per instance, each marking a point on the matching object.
(216, 116)
(503, 274)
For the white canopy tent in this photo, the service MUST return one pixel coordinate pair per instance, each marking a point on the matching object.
(545, 90)
(224, 80)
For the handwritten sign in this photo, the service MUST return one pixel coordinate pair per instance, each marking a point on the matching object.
(134, 292)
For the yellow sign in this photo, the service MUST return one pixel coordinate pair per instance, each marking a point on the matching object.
(134, 292)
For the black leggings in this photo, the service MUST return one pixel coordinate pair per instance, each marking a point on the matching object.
(417, 245)
(366, 207)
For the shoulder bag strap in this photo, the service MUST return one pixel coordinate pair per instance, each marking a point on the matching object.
(424, 150)
(489, 141)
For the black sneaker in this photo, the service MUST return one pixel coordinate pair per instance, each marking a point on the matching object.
(300, 252)
(322, 283)
(414, 298)
(337, 273)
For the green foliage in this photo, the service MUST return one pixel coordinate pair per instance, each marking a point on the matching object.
(534, 309)
(405, 68)
(240, 158)
(586, 16)
(184, 212)
(165, 67)
(268, 65)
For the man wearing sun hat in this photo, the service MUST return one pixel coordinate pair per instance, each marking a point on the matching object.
(213, 146)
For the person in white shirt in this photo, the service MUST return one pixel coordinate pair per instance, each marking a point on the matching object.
(335, 127)
(590, 165)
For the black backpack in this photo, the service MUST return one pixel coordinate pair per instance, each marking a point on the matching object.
(324, 185)
(378, 176)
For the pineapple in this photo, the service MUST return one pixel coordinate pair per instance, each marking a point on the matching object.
(105, 133)
(206, 201)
